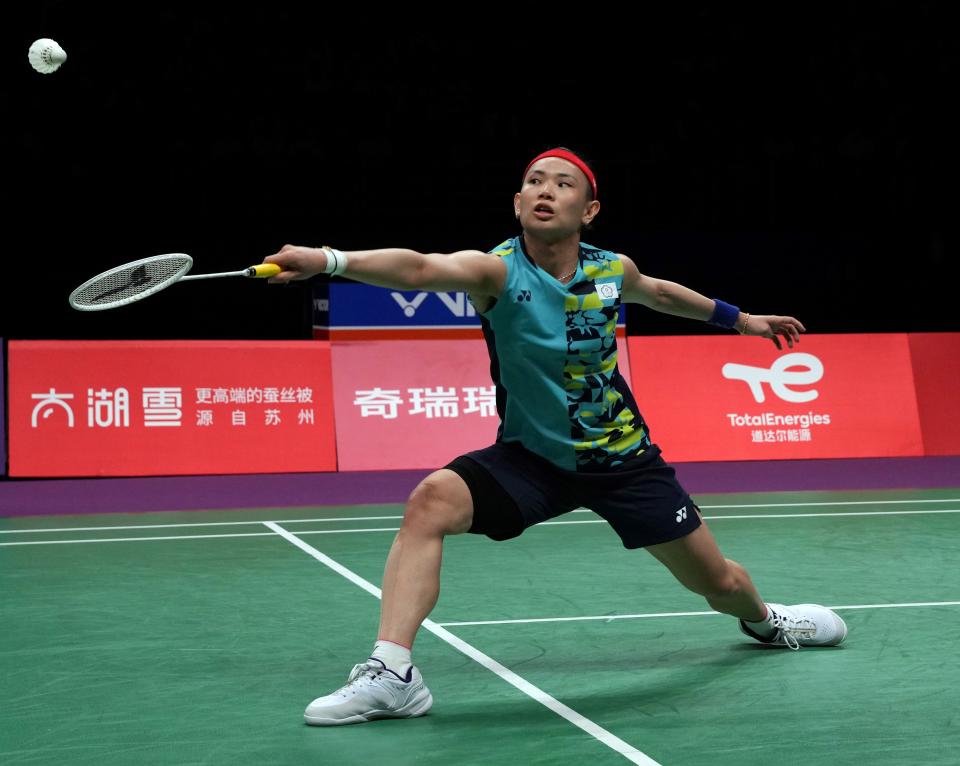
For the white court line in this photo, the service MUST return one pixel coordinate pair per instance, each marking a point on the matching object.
(838, 502)
(579, 510)
(820, 515)
(198, 524)
(132, 539)
(610, 617)
(613, 742)
(395, 529)
(783, 516)
(189, 537)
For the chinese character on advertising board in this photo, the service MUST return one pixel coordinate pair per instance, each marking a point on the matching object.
(108, 408)
(378, 402)
(161, 406)
(50, 402)
(436, 402)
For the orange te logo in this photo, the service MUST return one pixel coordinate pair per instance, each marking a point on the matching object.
(789, 370)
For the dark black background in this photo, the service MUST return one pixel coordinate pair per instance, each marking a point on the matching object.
(800, 161)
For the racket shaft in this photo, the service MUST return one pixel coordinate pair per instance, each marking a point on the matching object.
(261, 271)
(213, 276)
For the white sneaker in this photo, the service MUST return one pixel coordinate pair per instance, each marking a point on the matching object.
(802, 625)
(372, 691)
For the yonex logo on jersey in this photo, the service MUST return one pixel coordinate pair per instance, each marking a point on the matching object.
(607, 291)
(681, 514)
(780, 376)
(524, 295)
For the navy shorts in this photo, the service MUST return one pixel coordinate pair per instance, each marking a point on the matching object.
(513, 488)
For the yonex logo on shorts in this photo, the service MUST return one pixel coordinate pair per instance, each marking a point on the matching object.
(681, 514)
(780, 376)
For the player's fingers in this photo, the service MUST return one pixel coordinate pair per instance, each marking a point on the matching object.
(283, 277)
(278, 258)
(776, 341)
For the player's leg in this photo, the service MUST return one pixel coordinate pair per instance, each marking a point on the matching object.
(648, 508)
(696, 561)
(388, 685)
(498, 492)
(441, 505)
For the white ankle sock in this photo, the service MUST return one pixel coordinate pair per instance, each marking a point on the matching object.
(394, 656)
(763, 627)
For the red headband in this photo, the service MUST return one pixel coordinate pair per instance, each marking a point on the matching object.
(569, 156)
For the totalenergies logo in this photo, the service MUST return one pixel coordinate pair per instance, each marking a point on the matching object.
(789, 370)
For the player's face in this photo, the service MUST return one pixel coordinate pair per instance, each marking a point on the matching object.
(554, 201)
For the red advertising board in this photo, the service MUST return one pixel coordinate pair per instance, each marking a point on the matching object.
(411, 403)
(936, 368)
(734, 398)
(125, 408)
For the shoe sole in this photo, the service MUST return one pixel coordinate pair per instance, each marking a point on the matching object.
(413, 709)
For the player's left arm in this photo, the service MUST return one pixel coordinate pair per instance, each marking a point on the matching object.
(672, 298)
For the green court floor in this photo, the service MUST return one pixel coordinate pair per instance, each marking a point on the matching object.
(199, 637)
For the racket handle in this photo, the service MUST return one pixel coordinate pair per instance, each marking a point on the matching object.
(263, 270)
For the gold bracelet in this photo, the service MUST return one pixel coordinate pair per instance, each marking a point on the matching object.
(744, 330)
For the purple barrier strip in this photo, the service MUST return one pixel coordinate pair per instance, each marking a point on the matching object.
(180, 493)
(825, 475)
(66, 496)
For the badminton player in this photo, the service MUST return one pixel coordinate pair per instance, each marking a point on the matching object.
(571, 433)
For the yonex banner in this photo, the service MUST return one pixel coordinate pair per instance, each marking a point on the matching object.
(936, 368)
(411, 403)
(735, 398)
(350, 310)
(125, 408)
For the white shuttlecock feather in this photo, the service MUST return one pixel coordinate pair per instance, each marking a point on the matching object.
(46, 55)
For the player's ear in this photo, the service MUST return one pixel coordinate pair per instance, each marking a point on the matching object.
(590, 211)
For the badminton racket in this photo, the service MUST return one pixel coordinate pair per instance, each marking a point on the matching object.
(137, 280)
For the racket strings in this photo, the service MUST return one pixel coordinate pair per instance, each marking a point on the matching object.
(125, 282)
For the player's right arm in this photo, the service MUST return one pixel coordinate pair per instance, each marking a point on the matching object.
(472, 271)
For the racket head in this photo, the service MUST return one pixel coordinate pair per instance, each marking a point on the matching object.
(130, 282)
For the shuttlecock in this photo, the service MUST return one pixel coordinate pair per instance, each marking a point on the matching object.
(46, 55)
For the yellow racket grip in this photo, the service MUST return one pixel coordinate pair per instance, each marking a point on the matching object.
(264, 270)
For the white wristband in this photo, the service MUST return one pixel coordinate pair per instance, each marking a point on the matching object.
(336, 261)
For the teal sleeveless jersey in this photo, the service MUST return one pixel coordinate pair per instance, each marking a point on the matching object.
(553, 358)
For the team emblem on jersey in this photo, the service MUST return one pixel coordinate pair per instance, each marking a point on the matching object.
(607, 291)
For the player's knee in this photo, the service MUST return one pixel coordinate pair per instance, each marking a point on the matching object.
(722, 583)
(722, 588)
(436, 507)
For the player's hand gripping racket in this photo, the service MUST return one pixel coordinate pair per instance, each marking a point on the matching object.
(137, 280)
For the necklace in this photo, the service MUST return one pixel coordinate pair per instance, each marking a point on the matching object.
(565, 277)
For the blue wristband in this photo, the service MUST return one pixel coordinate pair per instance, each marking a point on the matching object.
(724, 315)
